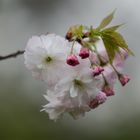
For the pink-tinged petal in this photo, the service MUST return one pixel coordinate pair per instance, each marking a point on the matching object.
(118, 62)
(101, 50)
(110, 75)
(124, 53)
(119, 59)
(94, 58)
(101, 97)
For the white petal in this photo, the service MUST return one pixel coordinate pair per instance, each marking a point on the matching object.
(73, 91)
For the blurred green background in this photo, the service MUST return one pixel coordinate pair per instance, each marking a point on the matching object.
(21, 96)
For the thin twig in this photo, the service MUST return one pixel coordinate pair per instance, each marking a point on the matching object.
(12, 55)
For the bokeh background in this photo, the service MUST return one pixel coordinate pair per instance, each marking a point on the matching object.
(21, 96)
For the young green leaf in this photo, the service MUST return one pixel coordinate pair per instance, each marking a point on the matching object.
(106, 20)
(111, 48)
(118, 38)
(113, 28)
(76, 31)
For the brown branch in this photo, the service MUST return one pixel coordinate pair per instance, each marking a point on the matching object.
(12, 55)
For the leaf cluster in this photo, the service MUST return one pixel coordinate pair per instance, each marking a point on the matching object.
(112, 39)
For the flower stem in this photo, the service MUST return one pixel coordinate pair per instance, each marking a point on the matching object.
(72, 47)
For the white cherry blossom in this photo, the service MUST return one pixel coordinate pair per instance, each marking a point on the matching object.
(73, 93)
(45, 56)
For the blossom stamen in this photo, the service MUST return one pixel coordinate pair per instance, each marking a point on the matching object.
(78, 83)
(48, 59)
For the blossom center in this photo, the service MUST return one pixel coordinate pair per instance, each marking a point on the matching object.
(48, 59)
(78, 83)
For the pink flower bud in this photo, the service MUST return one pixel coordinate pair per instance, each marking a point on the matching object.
(93, 103)
(72, 60)
(84, 53)
(108, 90)
(101, 97)
(124, 79)
(97, 70)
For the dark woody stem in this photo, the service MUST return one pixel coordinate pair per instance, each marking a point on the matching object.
(12, 55)
(114, 69)
(118, 74)
(17, 53)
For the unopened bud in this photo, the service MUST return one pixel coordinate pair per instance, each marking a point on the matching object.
(97, 70)
(99, 99)
(124, 79)
(93, 104)
(84, 53)
(72, 60)
(108, 90)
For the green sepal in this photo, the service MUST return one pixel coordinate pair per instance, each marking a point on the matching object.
(76, 31)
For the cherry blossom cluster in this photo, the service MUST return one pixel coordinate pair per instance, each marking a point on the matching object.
(77, 79)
